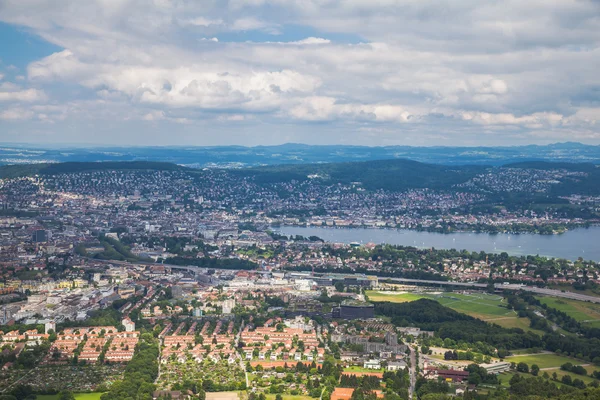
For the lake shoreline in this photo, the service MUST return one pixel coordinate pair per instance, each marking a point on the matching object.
(570, 245)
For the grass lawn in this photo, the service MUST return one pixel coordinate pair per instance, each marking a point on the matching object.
(360, 369)
(393, 298)
(585, 379)
(515, 322)
(580, 310)
(78, 396)
(481, 305)
(488, 307)
(505, 378)
(289, 397)
(544, 360)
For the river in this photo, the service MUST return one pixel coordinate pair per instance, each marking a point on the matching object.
(580, 242)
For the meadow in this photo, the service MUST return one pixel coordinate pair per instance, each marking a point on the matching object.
(588, 313)
(487, 307)
(544, 360)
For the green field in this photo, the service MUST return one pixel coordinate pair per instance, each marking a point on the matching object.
(487, 307)
(394, 298)
(360, 369)
(78, 396)
(289, 397)
(505, 377)
(588, 313)
(481, 304)
(560, 374)
(544, 360)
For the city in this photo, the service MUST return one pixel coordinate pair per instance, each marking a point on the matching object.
(299, 200)
(188, 276)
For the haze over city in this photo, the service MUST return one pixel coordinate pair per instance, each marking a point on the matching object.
(254, 72)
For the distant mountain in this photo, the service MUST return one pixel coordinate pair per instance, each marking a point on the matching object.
(294, 153)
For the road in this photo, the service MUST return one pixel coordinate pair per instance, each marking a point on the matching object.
(412, 372)
(498, 286)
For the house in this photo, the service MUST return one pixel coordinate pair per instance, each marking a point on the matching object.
(372, 364)
(396, 365)
(168, 394)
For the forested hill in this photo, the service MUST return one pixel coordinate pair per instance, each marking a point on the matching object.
(14, 171)
(392, 175)
(546, 165)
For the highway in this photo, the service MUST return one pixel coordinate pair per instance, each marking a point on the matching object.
(498, 286)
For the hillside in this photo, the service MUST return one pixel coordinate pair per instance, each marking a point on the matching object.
(394, 175)
(14, 171)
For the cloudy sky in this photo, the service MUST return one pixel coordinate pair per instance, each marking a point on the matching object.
(372, 72)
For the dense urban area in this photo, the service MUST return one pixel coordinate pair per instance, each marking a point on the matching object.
(153, 281)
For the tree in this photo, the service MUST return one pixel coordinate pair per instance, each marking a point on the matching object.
(522, 367)
(535, 370)
(66, 395)
(278, 396)
(201, 394)
(339, 286)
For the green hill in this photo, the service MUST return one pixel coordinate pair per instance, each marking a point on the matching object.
(392, 175)
(14, 171)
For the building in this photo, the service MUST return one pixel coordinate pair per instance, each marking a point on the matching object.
(128, 324)
(372, 364)
(50, 325)
(391, 338)
(354, 310)
(453, 375)
(228, 306)
(396, 365)
(40, 236)
(496, 368)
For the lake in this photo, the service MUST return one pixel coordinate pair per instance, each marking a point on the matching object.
(580, 242)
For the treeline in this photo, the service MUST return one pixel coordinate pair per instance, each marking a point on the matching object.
(14, 171)
(562, 319)
(447, 323)
(140, 373)
(367, 382)
(114, 250)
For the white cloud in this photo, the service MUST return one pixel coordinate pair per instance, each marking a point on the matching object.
(251, 24)
(16, 114)
(312, 40)
(202, 21)
(362, 65)
(27, 95)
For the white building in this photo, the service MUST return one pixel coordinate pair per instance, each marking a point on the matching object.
(50, 325)
(128, 324)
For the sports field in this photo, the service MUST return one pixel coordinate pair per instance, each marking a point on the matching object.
(288, 397)
(488, 307)
(544, 360)
(588, 313)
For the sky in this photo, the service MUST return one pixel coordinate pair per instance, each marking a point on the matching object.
(255, 72)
